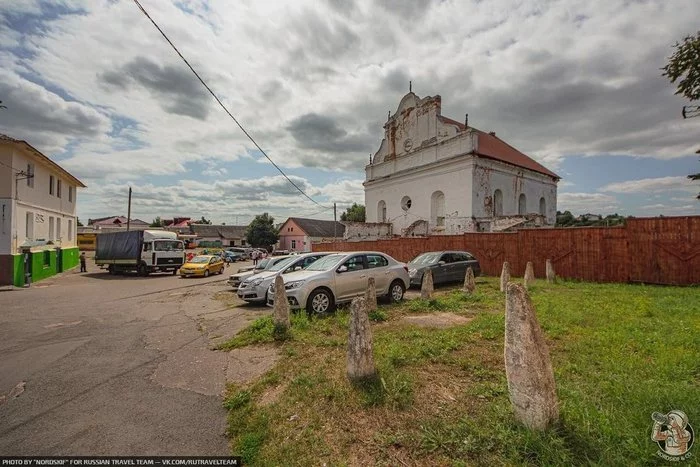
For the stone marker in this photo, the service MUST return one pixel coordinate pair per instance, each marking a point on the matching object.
(529, 275)
(505, 275)
(281, 309)
(531, 385)
(371, 295)
(469, 283)
(427, 288)
(551, 276)
(360, 357)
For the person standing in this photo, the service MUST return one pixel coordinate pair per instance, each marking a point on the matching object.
(255, 257)
(83, 259)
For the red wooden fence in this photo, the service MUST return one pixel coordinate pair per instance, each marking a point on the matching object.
(660, 250)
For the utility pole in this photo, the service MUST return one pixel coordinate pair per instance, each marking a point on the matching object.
(335, 222)
(128, 215)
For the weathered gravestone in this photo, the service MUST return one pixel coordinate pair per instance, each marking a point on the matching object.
(469, 282)
(529, 278)
(505, 275)
(531, 385)
(427, 288)
(551, 276)
(281, 310)
(360, 358)
(371, 295)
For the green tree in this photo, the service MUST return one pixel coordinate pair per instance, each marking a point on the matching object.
(261, 233)
(684, 66)
(202, 221)
(80, 224)
(695, 177)
(355, 213)
(157, 222)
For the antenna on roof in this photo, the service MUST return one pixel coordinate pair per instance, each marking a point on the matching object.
(410, 86)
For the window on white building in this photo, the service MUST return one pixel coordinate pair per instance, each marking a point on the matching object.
(51, 184)
(543, 206)
(406, 203)
(30, 175)
(522, 204)
(51, 231)
(70, 230)
(437, 209)
(29, 227)
(70, 194)
(497, 203)
(58, 228)
(381, 211)
(58, 188)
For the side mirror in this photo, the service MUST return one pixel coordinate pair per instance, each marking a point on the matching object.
(342, 268)
(441, 263)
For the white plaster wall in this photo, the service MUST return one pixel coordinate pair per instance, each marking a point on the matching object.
(357, 231)
(490, 175)
(38, 195)
(6, 174)
(41, 227)
(452, 177)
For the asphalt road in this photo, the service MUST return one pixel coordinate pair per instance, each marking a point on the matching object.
(118, 365)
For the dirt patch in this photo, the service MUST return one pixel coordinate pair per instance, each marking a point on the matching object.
(247, 363)
(437, 320)
(271, 395)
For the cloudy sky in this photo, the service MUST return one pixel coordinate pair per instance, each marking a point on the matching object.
(574, 84)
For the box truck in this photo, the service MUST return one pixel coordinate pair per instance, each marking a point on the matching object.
(141, 251)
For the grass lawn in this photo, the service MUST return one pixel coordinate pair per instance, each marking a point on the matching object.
(620, 352)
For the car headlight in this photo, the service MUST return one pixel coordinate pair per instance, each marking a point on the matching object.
(256, 282)
(412, 272)
(293, 285)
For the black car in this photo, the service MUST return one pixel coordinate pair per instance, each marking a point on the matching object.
(447, 266)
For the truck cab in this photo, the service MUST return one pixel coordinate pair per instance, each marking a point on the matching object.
(161, 252)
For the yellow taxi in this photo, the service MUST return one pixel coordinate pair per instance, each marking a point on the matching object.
(202, 265)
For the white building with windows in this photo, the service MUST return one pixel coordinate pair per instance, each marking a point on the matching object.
(434, 175)
(38, 223)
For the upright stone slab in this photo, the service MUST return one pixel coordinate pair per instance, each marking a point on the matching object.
(360, 357)
(531, 385)
(281, 309)
(551, 276)
(371, 295)
(469, 283)
(529, 278)
(505, 275)
(427, 288)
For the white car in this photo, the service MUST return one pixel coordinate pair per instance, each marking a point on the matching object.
(340, 277)
(255, 288)
(235, 279)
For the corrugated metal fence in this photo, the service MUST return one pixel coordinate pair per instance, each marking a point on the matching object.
(660, 250)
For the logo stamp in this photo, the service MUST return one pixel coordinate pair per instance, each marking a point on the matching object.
(673, 434)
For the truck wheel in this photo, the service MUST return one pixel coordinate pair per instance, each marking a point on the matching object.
(142, 271)
(110, 269)
(174, 271)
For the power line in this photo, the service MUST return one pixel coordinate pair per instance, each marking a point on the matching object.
(143, 10)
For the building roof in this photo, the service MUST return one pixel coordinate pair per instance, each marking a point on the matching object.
(115, 221)
(42, 158)
(493, 147)
(319, 228)
(220, 231)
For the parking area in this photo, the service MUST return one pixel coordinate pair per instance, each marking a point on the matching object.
(99, 364)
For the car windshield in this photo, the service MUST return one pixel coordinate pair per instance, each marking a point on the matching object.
(263, 264)
(168, 245)
(425, 258)
(282, 264)
(326, 263)
(199, 259)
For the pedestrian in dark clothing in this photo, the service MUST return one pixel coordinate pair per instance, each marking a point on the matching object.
(83, 268)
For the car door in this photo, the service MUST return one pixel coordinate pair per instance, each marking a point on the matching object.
(474, 264)
(352, 281)
(378, 267)
(441, 270)
(461, 263)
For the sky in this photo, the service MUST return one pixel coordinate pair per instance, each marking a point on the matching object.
(575, 84)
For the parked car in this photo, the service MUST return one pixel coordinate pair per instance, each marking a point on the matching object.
(202, 265)
(255, 288)
(447, 266)
(279, 253)
(233, 256)
(340, 277)
(242, 274)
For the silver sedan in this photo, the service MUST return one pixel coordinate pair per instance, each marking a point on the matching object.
(340, 277)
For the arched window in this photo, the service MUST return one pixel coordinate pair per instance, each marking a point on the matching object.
(437, 209)
(522, 204)
(381, 211)
(497, 203)
(543, 206)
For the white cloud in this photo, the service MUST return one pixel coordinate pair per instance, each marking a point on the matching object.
(651, 185)
(581, 203)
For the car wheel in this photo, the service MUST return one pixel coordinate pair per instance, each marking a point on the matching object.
(206, 273)
(396, 291)
(320, 301)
